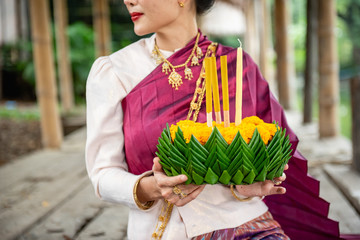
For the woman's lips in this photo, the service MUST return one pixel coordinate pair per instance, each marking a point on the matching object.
(135, 16)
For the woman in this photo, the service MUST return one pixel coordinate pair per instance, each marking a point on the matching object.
(134, 92)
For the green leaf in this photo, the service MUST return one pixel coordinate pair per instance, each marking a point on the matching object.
(188, 181)
(163, 161)
(245, 171)
(196, 145)
(174, 172)
(262, 176)
(225, 178)
(164, 144)
(197, 178)
(211, 158)
(234, 147)
(211, 177)
(238, 177)
(216, 168)
(168, 173)
(250, 177)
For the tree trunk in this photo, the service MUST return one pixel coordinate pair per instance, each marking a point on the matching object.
(283, 52)
(355, 99)
(311, 58)
(45, 74)
(101, 18)
(65, 74)
(328, 71)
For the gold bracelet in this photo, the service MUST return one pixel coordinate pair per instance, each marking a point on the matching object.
(142, 206)
(237, 197)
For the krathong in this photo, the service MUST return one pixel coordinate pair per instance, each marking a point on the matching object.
(251, 152)
(247, 151)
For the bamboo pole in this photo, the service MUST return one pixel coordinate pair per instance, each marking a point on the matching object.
(45, 74)
(328, 70)
(101, 18)
(311, 58)
(283, 52)
(65, 75)
(355, 99)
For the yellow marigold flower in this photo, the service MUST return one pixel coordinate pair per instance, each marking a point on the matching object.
(247, 127)
(247, 130)
(253, 119)
(264, 133)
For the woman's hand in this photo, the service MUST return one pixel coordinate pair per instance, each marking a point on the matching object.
(265, 188)
(172, 189)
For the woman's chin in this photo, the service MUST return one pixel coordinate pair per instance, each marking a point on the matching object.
(141, 31)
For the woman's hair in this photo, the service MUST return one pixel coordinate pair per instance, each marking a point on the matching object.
(203, 5)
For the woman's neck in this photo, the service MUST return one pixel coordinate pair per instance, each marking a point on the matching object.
(175, 38)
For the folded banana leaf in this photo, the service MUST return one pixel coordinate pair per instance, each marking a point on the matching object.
(219, 162)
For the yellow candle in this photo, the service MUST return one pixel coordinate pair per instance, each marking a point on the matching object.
(215, 88)
(238, 99)
(208, 91)
(225, 90)
(224, 82)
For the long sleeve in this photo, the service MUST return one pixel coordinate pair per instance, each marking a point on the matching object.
(105, 158)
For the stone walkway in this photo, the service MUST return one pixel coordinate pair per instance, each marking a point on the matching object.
(47, 194)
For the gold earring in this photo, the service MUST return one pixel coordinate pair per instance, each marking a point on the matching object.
(181, 4)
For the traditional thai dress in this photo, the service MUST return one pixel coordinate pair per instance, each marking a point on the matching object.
(129, 102)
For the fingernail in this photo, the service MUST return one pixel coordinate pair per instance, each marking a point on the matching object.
(183, 178)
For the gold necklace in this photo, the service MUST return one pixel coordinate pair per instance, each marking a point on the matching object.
(163, 218)
(199, 93)
(175, 79)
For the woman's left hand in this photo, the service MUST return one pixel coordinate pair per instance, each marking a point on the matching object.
(266, 188)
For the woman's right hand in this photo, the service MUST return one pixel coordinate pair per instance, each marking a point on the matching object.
(167, 184)
(161, 186)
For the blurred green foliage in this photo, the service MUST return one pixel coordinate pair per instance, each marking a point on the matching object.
(82, 54)
(19, 114)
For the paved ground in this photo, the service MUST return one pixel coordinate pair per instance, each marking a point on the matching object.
(47, 195)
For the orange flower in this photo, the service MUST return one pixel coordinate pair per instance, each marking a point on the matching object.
(247, 127)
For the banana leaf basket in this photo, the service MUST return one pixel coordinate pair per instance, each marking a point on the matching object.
(216, 161)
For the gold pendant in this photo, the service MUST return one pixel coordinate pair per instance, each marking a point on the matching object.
(199, 52)
(194, 61)
(175, 79)
(166, 68)
(188, 73)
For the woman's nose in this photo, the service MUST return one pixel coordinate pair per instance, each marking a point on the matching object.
(130, 2)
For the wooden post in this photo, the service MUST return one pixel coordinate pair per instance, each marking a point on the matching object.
(101, 18)
(311, 58)
(355, 100)
(266, 50)
(328, 70)
(264, 40)
(282, 48)
(251, 41)
(1, 65)
(45, 74)
(65, 74)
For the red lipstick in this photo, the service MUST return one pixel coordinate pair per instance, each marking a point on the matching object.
(135, 16)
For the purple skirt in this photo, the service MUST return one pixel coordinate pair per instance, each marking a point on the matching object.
(263, 227)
